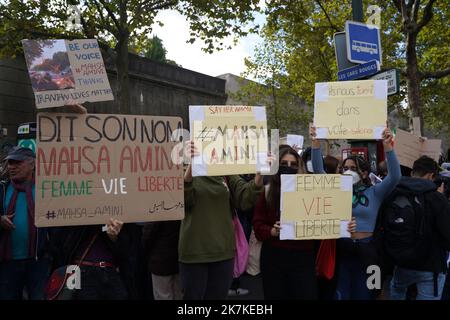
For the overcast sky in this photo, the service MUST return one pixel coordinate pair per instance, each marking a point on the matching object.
(175, 33)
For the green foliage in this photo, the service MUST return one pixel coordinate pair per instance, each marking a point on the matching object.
(298, 43)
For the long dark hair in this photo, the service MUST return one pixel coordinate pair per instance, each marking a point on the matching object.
(273, 196)
(361, 165)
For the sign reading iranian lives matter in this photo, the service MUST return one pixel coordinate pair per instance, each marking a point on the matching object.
(230, 139)
(315, 206)
(66, 72)
(93, 167)
(350, 109)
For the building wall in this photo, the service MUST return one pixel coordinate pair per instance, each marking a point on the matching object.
(155, 89)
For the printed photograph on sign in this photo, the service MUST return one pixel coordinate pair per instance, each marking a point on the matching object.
(49, 65)
(64, 72)
(93, 167)
(350, 109)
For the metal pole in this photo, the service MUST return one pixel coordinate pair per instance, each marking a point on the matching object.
(357, 10)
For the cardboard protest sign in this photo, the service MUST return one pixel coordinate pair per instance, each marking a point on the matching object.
(93, 167)
(350, 109)
(231, 139)
(66, 72)
(315, 206)
(410, 147)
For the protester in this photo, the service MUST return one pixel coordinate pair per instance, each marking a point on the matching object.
(107, 270)
(207, 241)
(25, 251)
(245, 217)
(160, 243)
(288, 266)
(359, 251)
(419, 259)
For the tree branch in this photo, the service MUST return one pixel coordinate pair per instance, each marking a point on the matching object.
(397, 5)
(328, 17)
(404, 12)
(152, 6)
(104, 22)
(427, 15)
(416, 9)
(436, 74)
(110, 13)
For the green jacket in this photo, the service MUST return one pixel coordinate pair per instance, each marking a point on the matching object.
(207, 231)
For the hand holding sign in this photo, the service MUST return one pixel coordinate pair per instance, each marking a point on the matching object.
(113, 229)
(315, 143)
(387, 140)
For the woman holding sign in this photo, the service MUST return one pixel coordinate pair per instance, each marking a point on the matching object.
(288, 267)
(206, 246)
(357, 253)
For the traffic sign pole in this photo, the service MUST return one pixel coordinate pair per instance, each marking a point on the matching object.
(357, 10)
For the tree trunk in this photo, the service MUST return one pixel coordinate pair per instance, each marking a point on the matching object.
(123, 94)
(413, 78)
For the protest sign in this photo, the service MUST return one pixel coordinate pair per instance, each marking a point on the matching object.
(409, 147)
(295, 141)
(350, 109)
(64, 72)
(315, 206)
(93, 167)
(230, 139)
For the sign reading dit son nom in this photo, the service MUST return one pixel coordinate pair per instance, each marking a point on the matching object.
(94, 167)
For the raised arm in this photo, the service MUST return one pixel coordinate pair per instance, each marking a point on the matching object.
(316, 152)
(382, 189)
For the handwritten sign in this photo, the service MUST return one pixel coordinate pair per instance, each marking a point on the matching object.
(230, 139)
(94, 167)
(315, 206)
(350, 109)
(409, 147)
(66, 72)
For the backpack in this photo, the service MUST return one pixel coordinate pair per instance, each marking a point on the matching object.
(406, 228)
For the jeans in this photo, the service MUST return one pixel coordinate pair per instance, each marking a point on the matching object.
(424, 281)
(29, 274)
(100, 284)
(353, 258)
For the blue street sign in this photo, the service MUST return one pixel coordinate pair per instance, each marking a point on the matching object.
(359, 71)
(363, 42)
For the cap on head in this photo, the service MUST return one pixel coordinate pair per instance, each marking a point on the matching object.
(20, 154)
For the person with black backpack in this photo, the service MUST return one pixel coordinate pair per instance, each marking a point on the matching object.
(415, 228)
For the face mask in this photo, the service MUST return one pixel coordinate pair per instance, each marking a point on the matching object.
(309, 166)
(287, 170)
(355, 176)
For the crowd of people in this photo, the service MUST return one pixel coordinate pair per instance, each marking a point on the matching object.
(193, 259)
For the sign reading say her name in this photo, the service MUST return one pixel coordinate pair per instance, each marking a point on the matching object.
(350, 109)
(315, 206)
(94, 167)
(66, 72)
(230, 139)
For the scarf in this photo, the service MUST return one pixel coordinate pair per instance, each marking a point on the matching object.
(5, 238)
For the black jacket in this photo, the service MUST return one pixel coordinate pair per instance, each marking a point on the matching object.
(125, 250)
(437, 205)
(160, 243)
